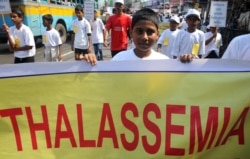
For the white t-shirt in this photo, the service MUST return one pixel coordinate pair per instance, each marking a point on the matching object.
(97, 31)
(81, 29)
(51, 38)
(23, 37)
(130, 55)
(214, 45)
(189, 43)
(166, 40)
(238, 48)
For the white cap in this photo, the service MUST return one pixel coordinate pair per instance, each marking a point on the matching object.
(119, 1)
(193, 12)
(175, 18)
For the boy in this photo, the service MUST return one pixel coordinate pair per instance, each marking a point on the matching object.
(81, 37)
(98, 30)
(144, 33)
(190, 40)
(165, 43)
(213, 42)
(21, 39)
(119, 24)
(51, 40)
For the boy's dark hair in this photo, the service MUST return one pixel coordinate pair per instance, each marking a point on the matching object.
(113, 10)
(145, 14)
(17, 11)
(48, 17)
(79, 8)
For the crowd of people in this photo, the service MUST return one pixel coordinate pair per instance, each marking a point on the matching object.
(181, 41)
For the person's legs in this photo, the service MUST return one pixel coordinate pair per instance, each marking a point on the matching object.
(47, 57)
(212, 54)
(100, 51)
(79, 52)
(96, 51)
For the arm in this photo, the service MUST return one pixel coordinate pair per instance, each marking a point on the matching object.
(11, 40)
(72, 41)
(59, 57)
(106, 34)
(90, 56)
(22, 48)
(107, 29)
(211, 38)
(90, 43)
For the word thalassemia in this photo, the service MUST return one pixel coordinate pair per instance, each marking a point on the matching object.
(216, 132)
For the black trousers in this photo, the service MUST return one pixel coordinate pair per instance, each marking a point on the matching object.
(212, 54)
(24, 60)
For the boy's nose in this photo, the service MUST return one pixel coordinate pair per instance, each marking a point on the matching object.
(145, 35)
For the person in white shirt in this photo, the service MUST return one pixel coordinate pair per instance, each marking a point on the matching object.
(165, 43)
(213, 42)
(183, 25)
(98, 31)
(81, 38)
(144, 32)
(238, 48)
(21, 39)
(51, 40)
(191, 40)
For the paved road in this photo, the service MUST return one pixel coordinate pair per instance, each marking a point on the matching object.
(7, 58)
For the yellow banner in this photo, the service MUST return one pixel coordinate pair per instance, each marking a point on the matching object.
(121, 115)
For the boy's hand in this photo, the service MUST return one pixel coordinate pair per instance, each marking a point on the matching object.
(105, 43)
(90, 58)
(6, 28)
(186, 58)
(59, 58)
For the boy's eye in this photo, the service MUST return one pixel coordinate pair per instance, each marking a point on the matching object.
(141, 31)
(150, 32)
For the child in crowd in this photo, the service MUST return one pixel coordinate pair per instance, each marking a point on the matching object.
(98, 31)
(81, 38)
(165, 43)
(51, 40)
(117, 25)
(190, 40)
(144, 33)
(21, 39)
(213, 42)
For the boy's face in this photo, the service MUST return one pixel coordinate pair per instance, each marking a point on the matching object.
(95, 14)
(213, 29)
(119, 8)
(173, 25)
(192, 21)
(79, 14)
(144, 35)
(45, 23)
(15, 18)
